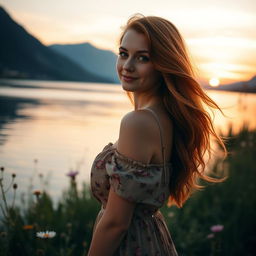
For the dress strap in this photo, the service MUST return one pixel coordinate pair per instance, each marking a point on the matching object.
(161, 136)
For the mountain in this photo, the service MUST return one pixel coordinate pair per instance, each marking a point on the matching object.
(97, 61)
(243, 86)
(23, 56)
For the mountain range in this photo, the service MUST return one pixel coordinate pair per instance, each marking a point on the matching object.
(24, 56)
(90, 58)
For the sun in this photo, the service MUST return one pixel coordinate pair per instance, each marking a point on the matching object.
(214, 82)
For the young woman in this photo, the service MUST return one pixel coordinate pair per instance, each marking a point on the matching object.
(161, 144)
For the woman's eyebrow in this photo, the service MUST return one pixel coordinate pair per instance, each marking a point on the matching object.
(122, 48)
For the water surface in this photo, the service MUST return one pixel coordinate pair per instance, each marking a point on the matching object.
(64, 125)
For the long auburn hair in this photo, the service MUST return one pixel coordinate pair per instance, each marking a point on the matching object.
(183, 98)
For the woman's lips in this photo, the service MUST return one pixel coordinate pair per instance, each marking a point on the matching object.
(128, 79)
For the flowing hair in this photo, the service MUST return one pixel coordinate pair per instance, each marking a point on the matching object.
(183, 98)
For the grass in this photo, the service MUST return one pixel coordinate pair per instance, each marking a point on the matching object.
(230, 204)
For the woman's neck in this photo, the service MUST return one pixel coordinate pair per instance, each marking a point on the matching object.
(142, 101)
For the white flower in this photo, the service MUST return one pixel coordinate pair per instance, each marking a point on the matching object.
(171, 214)
(46, 234)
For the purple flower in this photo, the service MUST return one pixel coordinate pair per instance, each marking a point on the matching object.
(210, 236)
(138, 251)
(217, 228)
(72, 173)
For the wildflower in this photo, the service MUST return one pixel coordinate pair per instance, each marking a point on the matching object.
(37, 193)
(217, 228)
(13, 175)
(210, 236)
(2, 168)
(15, 186)
(72, 174)
(46, 234)
(170, 214)
(27, 227)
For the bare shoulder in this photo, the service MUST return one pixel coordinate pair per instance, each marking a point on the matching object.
(138, 119)
(136, 136)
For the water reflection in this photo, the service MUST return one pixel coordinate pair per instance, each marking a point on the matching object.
(10, 110)
(240, 109)
(63, 124)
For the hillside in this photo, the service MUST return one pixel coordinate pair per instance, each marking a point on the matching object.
(24, 56)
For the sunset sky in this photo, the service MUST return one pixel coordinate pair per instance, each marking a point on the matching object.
(221, 35)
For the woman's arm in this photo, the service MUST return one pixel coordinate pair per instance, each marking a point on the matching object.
(105, 240)
(112, 226)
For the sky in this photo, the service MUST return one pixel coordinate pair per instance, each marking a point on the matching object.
(220, 35)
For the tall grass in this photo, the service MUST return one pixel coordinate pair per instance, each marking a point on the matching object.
(230, 204)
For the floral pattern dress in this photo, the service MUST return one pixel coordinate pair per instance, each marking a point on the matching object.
(145, 184)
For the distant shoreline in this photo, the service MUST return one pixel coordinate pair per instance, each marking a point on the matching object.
(253, 90)
(219, 88)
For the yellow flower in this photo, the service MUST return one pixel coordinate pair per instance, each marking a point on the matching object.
(26, 227)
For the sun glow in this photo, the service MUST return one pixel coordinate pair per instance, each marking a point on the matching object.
(214, 82)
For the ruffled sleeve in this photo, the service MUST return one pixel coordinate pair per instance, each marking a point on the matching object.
(137, 182)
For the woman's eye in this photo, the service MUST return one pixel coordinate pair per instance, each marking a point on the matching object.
(143, 58)
(122, 54)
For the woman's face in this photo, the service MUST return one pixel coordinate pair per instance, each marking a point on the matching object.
(134, 62)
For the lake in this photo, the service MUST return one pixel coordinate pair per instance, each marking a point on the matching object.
(50, 127)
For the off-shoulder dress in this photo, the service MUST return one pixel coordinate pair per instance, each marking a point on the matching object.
(145, 184)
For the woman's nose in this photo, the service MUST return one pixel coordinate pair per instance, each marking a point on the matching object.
(128, 65)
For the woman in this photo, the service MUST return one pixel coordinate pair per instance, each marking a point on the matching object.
(161, 143)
